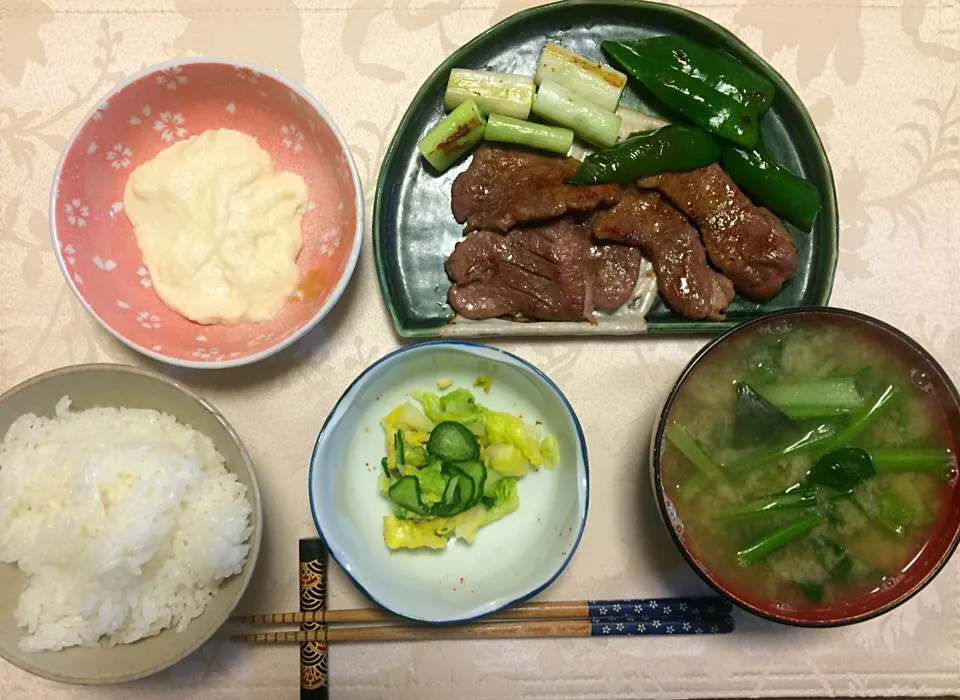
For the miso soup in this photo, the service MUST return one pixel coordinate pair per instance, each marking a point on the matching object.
(809, 461)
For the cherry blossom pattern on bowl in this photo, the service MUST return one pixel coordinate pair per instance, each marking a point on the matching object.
(94, 240)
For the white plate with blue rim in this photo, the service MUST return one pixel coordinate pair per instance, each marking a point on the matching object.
(511, 559)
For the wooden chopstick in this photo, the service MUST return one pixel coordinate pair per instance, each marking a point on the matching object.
(650, 608)
(520, 629)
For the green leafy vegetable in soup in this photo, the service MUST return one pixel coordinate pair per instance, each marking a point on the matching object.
(452, 467)
(806, 465)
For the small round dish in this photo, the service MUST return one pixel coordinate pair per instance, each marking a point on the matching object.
(905, 577)
(150, 111)
(511, 559)
(90, 386)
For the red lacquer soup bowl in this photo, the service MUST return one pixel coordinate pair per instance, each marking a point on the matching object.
(835, 553)
(150, 111)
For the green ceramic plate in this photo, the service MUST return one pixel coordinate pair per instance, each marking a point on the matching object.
(414, 229)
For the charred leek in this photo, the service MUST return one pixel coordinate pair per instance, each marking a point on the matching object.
(455, 135)
(596, 82)
(494, 93)
(509, 130)
(556, 104)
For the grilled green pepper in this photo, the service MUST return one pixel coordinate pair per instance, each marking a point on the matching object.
(667, 149)
(771, 185)
(707, 86)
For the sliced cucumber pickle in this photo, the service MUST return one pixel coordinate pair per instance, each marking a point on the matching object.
(453, 442)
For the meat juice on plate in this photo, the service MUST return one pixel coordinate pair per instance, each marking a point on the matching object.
(808, 464)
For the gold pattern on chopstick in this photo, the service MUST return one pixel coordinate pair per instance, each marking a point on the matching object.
(313, 651)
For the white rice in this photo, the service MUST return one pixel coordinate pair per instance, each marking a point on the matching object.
(124, 521)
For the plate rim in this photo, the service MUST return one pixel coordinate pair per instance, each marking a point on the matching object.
(829, 211)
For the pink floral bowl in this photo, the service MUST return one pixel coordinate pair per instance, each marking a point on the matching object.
(94, 240)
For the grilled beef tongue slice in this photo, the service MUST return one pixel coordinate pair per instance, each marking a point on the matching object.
(688, 285)
(614, 269)
(537, 272)
(747, 243)
(506, 186)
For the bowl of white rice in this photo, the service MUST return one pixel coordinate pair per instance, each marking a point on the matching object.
(130, 523)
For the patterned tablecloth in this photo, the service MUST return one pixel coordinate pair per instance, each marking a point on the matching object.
(882, 81)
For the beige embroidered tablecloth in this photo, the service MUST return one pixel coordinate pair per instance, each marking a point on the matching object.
(882, 81)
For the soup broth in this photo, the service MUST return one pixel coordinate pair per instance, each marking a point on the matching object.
(808, 463)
